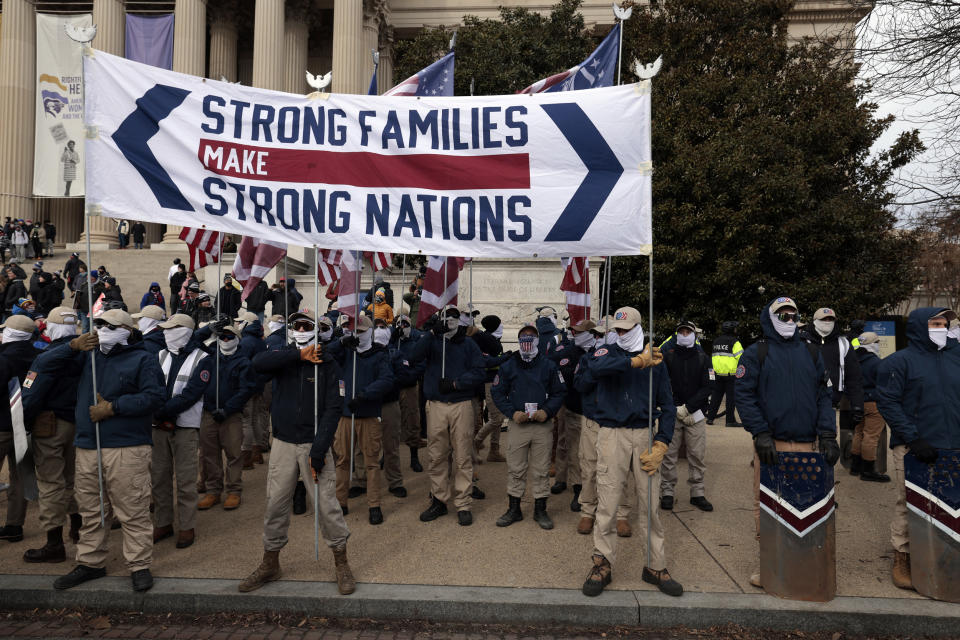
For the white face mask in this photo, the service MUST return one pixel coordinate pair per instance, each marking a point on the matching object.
(381, 336)
(452, 325)
(15, 335)
(228, 347)
(274, 326)
(366, 340)
(824, 327)
(109, 338)
(954, 333)
(326, 334)
(784, 329)
(937, 337)
(301, 338)
(498, 332)
(56, 331)
(466, 320)
(146, 324)
(631, 341)
(584, 340)
(686, 340)
(873, 348)
(404, 332)
(177, 338)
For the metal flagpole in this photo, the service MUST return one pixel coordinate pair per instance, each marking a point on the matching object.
(443, 355)
(358, 256)
(219, 305)
(316, 399)
(650, 418)
(403, 282)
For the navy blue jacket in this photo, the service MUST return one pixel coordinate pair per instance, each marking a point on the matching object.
(492, 350)
(464, 366)
(237, 382)
(406, 347)
(195, 388)
(252, 343)
(622, 393)
(689, 369)
(550, 336)
(585, 387)
(375, 380)
(918, 388)
(153, 341)
(869, 367)
(295, 387)
(789, 396)
(275, 340)
(405, 374)
(15, 360)
(567, 356)
(519, 382)
(128, 376)
(51, 387)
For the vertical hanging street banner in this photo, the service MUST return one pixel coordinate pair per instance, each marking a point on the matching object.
(550, 174)
(149, 39)
(58, 158)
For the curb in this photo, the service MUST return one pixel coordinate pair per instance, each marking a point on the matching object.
(493, 605)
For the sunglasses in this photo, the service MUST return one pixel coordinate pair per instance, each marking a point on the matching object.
(101, 324)
(788, 316)
(303, 325)
(227, 337)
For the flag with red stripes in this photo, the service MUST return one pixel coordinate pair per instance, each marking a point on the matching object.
(576, 286)
(440, 285)
(255, 258)
(348, 293)
(378, 260)
(328, 267)
(204, 246)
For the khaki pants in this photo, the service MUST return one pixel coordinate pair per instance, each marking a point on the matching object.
(781, 445)
(55, 460)
(899, 531)
(528, 446)
(256, 414)
(866, 434)
(368, 441)
(410, 416)
(175, 453)
(588, 475)
(226, 436)
(288, 462)
(16, 504)
(695, 437)
(390, 437)
(568, 447)
(494, 420)
(266, 400)
(126, 495)
(450, 428)
(618, 455)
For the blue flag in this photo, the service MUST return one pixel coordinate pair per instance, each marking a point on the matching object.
(435, 80)
(372, 91)
(598, 70)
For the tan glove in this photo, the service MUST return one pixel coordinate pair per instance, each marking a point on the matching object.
(85, 342)
(102, 410)
(650, 459)
(311, 354)
(682, 412)
(520, 417)
(646, 358)
(539, 415)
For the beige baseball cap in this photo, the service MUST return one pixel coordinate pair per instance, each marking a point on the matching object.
(178, 320)
(246, 316)
(62, 315)
(232, 329)
(824, 312)
(118, 318)
(781, 302)
(626, 318)
(585, 325)
(19, 322)
(868, 337)
(151, 311)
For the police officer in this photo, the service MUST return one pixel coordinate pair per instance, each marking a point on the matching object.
(529, 389)
(306, 389)
(49, 407)
(689, 372)
(782, 396)
(129, 391)
(367, 379)
(726, 356)
(187, 371)
(453, 372)
(221, 426)
(918, 395)
(622, 372)
(866, 435)
(16, 354)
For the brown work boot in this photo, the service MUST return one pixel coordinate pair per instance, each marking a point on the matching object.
(232, 501)
(585, 526)
(161, 533)
(268, 571)
(185, 538)
(246, 458)
(208, 501)
(623, 529)
(256, 454)
(901, 570)
(494, 455)
(600, 576)
(345, 582)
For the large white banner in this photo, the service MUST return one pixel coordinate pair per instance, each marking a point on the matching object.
(509, 176)
(58, 161)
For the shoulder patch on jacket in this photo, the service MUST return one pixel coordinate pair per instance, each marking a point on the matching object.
(565, 362)
(28, 381)
(496, 379)
(559, 347)
(205, 375)
(600, 352)
(741, 371)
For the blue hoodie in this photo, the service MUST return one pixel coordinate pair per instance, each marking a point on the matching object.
(788, 396)
(918, 388)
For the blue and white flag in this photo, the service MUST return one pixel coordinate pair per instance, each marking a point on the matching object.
(598, 70)
(436, 80)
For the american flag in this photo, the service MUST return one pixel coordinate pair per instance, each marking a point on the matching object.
(435, 80)
(598, 70)
(203, 244)
(378, 260)
(328, 267)
(435, 296)
(255, 258)
(576, 286)
(348, 294)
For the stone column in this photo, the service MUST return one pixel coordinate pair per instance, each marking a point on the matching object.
(268, 31)
(223, 47)
(385, 74)
(295, 51)
(67, 215)
(350, 60)
(371, 39)
(18, 46)
(189, 56)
